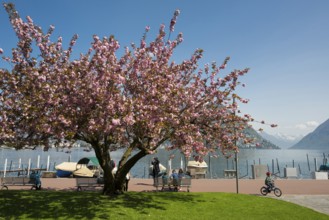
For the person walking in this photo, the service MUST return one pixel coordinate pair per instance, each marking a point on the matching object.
(156, 170)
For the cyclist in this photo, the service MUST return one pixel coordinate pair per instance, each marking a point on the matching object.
(269, 181)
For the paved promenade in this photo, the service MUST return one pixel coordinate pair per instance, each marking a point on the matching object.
(313, 194)
(246, 186)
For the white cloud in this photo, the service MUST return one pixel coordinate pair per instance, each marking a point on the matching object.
(312, 123)
(307, 125)
(301, 126)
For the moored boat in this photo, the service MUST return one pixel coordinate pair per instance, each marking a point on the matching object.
(197, 169)
(65, 169)
(87, 167)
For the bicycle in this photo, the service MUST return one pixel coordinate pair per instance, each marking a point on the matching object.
(265, 190)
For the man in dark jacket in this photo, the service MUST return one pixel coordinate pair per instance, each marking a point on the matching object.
(156, 170)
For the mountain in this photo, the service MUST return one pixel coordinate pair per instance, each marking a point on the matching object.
(318, 139)
(259, 141)
(281, 140)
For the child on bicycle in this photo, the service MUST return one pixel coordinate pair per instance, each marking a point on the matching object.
(269, 181)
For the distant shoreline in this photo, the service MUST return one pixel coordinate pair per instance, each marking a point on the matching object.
(306, 161)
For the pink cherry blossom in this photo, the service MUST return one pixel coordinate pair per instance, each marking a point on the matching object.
(116, 121)
(136, 100)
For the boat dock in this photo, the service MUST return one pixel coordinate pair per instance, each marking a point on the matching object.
(22, 171)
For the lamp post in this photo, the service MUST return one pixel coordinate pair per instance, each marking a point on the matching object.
(236, 172)
(236, 151)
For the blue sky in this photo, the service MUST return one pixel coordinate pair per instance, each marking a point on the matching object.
(285, 43)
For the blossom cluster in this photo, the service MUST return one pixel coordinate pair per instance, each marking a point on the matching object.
(140, 99)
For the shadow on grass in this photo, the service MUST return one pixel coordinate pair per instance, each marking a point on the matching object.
(82, 205)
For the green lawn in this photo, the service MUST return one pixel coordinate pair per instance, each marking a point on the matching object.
(28, 204)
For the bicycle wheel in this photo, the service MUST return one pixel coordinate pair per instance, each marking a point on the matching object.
(263, 191)
(277, 192)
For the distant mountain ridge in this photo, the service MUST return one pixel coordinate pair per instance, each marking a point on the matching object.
(262, 143)
(318, 139)
(281, 140)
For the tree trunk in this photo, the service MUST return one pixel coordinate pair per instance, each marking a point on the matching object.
(109, 184)
(115, 184)
(104, 159)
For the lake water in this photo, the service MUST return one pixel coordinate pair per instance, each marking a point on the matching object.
(305, 161)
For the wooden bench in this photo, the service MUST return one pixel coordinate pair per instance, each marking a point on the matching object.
(18, 181)
(95, 182)
(172, 184)
(85, 182)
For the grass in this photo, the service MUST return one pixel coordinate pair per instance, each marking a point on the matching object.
(24, 204)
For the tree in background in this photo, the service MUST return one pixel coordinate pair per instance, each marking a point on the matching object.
(135, 102)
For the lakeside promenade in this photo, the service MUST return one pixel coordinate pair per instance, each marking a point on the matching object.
(310, 193)
(246, 186)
